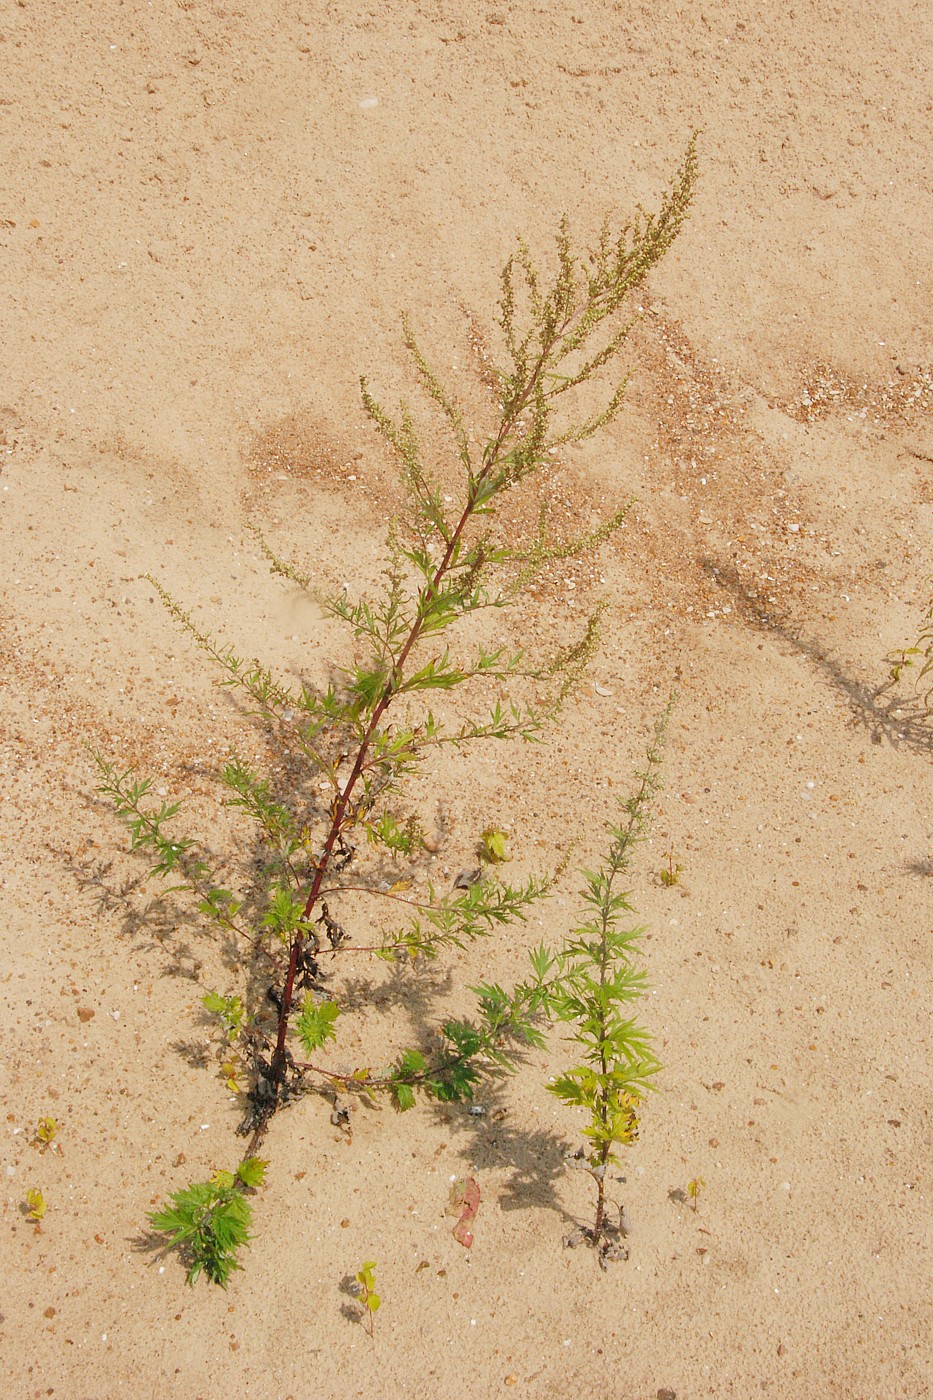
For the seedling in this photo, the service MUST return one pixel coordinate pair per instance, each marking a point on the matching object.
(366, 1292)
(209, 1220)
(694, 1188)
(230, 1070)
(230, 1011)
(45, 1134)
(327, 842)
(493, 846)
(589, 985)
(37, 1205)
(920, 654)
(670, 874)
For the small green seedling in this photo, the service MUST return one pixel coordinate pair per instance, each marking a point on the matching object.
(231, 1069)
(210, 1220)
(493, 846)
(694, 1188)
(589, 985)
(229, 1010)
(36, 1203)
(920, 654)
(670, 873)
(366, 1292)
(45, 1134)
(231, 1014)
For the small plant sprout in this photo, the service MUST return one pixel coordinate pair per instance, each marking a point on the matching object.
(920, 654)
(336, 866)
(209, 1221)
(231, 1015)
(694, 1188)
(670, 874)
(366, 1293)
(37, 1205)
(45, 1135)
(493, 846)
(590, 984)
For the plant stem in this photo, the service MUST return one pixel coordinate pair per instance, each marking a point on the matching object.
(603, 1106)
(492, 457)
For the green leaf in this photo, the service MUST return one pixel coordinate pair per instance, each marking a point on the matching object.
(438, 674)
(230, 1010)
(37, 1205)
(366, 1278)
(367, 687)
(577, 1088)
(220, 905)
(46, 1131)
(209, 1222)
(315, 1025)
(386, 831)
(493, 844)
(252, 1171)
(411, 1062)
(285, 912)
(404, 1096)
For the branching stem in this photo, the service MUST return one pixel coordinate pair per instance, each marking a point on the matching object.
(492, 457)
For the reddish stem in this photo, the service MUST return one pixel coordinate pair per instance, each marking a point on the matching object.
(342, 802)
(491, 458)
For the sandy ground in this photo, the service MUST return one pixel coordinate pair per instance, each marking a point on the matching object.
(212, 215)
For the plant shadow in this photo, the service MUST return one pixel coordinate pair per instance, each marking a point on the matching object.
(902, 722)
(533, 1159)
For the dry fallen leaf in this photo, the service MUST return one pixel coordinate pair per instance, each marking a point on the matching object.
(464, 1201)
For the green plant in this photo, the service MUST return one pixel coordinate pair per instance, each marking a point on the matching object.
(209, 1221)
(590, 983)
(493, 846)
(37, 1205)
(921, 653)
(669, 874)
(694, 1188)
(363, 735)
(45, 1135)
(365, 1291)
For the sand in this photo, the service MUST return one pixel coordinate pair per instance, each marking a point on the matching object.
(212, 217)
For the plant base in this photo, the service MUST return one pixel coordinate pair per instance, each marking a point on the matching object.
(609, 1241)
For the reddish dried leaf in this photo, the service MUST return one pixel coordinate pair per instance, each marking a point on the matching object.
(464, 1202)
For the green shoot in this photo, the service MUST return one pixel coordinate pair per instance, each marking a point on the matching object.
(594, 979)
(921, 653)
(366, 1292)
(37, 1205)
(209, 1221)
(694, 1188)
(669, 874)
(229, 1010)
(493, 846)
(45, 1135)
